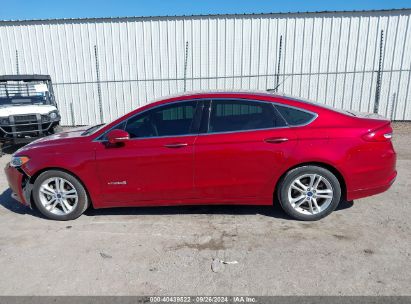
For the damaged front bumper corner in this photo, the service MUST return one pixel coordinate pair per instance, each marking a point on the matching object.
(19, 183)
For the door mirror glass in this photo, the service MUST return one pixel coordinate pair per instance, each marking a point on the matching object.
(117, 136)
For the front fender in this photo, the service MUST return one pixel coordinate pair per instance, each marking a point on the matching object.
(80, 164)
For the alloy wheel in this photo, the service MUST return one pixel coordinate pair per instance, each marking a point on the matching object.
(310, 194)
(58, 196)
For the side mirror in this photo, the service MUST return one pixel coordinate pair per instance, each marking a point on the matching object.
(117, 136)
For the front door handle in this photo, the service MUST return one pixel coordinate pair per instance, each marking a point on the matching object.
(175, 145)
(276, 140)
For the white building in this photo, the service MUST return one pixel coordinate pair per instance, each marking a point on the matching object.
(331, 57)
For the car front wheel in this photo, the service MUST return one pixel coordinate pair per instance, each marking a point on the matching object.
(309, 193)
(59, 195)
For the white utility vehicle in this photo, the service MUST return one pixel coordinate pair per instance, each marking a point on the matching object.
(28, 109)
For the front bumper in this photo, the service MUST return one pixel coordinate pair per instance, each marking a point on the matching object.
(18, 183)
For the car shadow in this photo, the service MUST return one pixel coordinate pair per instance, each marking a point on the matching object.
(270, 211)
(203, 209)
(12, 205)
(344, 205)
(275, 211)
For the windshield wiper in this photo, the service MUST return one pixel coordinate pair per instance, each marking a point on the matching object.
(92, 129)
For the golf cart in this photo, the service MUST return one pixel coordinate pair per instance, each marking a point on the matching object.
(28, 109)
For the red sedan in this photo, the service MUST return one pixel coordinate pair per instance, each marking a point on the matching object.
(210, 148)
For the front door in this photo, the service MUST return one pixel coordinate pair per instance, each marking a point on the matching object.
(156, 163)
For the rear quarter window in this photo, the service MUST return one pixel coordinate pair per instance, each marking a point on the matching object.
(295, 117)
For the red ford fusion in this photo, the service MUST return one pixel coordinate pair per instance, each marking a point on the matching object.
(234, 148)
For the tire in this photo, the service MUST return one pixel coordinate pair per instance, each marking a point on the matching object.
(298, 201)
(66, 201)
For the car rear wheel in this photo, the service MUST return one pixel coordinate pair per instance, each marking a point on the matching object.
(309, 193)
(59, 195)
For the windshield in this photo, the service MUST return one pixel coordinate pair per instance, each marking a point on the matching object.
(93, 129)
(22, 93)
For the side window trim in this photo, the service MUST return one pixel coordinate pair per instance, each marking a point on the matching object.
(207, 115)
(199, 102)
(203, 117)
(196, 122)
(279, 114)
(207, 110)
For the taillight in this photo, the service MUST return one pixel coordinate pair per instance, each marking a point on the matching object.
(381, 134)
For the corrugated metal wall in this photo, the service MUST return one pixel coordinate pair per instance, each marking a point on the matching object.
(330, 57)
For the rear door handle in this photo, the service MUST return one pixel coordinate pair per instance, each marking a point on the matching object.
(276, 140)
(175, 145)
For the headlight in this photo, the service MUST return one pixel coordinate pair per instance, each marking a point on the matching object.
(18, 161)
(54, 115)
(4, 121)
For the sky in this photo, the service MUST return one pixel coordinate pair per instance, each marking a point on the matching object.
(47, 9)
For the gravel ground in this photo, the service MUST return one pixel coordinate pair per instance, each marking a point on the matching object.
(363, 248)
(402, 127)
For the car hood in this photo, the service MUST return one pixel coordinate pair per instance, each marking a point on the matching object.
(63, 138)
(7, 110)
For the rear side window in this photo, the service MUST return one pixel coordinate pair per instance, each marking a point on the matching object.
(295, 117)
(240, 115)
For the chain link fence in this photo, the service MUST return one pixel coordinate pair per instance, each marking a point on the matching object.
(104, 68)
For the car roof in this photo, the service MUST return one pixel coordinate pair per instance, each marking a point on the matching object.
(219, 92)
(216, 93)
(225, 93)
(242, 94)
(270, 94)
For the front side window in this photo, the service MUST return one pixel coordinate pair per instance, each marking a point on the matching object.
(241, 115)
(168, 120)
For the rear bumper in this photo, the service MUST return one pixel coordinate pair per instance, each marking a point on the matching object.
(369, 169)
(15, 180)
(360, 193)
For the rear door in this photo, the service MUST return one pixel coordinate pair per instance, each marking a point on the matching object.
(243, 147)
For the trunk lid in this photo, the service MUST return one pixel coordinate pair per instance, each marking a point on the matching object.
(368, 115)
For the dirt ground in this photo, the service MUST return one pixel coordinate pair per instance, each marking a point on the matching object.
(363, 248)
